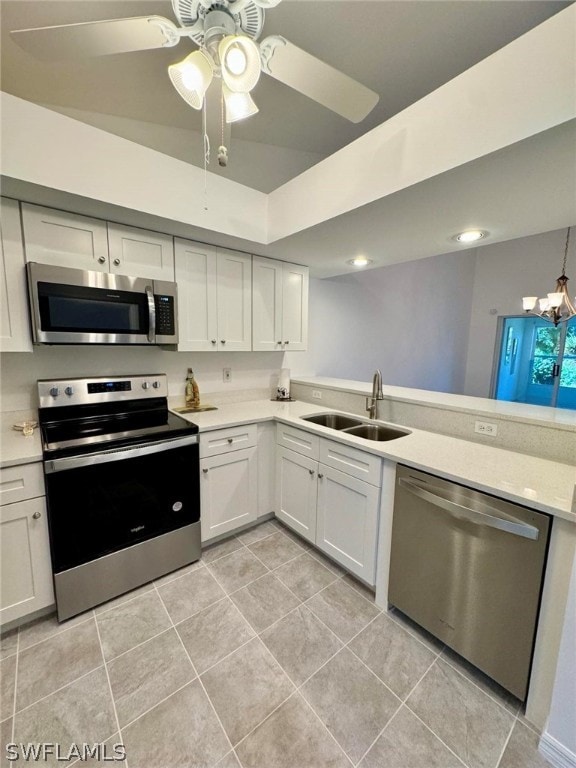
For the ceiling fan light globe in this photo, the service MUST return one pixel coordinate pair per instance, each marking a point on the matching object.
(191, 77)
(238, 105)
(240, 62)
(235, 60)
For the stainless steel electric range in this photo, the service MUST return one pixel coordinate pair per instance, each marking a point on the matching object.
(122, 485)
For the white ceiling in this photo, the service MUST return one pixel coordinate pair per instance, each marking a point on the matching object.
(403, 50)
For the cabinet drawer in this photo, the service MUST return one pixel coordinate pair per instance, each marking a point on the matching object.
(298, 440)
(353, 461)
(25, 481)
(226, 440)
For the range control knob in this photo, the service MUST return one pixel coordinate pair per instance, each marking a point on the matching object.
(69, 391)
(156, 384)
(145, 385)
(54, 391)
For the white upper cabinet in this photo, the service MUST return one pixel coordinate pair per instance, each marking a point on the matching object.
(14, 324)
(279, 305)
(69, 240)
(234, 300)
(64, 239)
(214, 298)
(140, 252)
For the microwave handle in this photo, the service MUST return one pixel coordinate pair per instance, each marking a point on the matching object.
(151, 315)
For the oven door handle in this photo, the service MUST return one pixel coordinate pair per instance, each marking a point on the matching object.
(117, 454)
(151, 315)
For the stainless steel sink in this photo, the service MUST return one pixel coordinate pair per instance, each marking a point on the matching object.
(333, 420)
(376, 432)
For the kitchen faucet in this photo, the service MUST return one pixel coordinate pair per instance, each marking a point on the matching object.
(377, 394)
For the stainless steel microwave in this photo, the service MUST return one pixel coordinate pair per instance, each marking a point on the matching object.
(74, 306)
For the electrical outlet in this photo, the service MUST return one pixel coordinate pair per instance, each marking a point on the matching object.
(317, 394)
(226, 374)
(486, 428)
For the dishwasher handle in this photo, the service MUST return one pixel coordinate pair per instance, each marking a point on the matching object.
(472, 515)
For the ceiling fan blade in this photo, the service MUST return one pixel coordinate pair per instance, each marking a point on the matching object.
(98, 38)
(315, 79)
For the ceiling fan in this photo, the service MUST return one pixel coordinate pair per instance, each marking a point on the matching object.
(225, 32)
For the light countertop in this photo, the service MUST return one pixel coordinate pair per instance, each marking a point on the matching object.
(541, 484)
(15, 448)
(562, 418)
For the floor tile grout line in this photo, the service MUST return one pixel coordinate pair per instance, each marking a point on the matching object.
(198, 678)
(57, 690)
(124, 602)
(133, 648)
(156, 582)
(398, 708)
(501, 755)
(402, 703)
(204, 671)
(58, 632)
(521, 717)
(414, 635)
(281, 564)
(110, 688)
(354, 591)
(470, 680)
(12, 730)
(328, 731)
(161, 701)
(425, 724)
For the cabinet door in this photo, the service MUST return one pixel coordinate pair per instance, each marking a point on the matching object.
(266, 305)
(296, 488)
(234, 301)
(294, 307)
(14, 323)
(196, 279)
(140, 253)
(229, 492)
(64, 239)
(25, 559)
(347, 521)
(266, 437)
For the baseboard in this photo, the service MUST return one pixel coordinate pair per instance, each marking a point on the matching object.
(556, 753)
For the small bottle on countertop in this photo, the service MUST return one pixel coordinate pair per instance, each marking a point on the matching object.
(192, 393)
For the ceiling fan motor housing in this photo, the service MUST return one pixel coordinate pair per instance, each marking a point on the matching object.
(247, 17)
(217, 24)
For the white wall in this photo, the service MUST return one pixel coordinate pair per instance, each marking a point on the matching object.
(562, 719)
(410, 320)
(505, 272)
(20, 371)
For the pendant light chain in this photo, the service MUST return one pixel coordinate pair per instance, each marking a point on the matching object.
(566, 252)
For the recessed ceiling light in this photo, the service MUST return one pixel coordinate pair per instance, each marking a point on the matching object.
(470, 236)
(359, 261)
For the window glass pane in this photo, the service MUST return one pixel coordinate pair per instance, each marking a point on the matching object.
(547, 341)
(542, 368)
(568, 374)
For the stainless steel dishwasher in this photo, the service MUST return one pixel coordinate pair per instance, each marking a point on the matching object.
(468, 567)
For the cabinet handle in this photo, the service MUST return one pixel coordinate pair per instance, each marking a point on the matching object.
(37, 515)
(278, 342)
(116, 262)
(320, 476)
(101, 260)
(222, 341)
(230, 439)
(213, 341)
(311, 471)
(205, 471)
(286, 342)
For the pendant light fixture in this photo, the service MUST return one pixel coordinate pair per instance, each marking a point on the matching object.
(557, 307)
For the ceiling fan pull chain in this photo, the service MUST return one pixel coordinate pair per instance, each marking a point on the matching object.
(222, 150)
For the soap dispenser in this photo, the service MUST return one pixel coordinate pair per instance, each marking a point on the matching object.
(192, 393)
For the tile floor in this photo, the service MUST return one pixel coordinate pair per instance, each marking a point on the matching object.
(262, 655)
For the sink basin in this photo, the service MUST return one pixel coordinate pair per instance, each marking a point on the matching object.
(376, 432)
(333, 420)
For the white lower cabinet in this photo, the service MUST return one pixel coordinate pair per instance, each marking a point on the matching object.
(347, 521)
(228, 480)
(296, 492)
(335, 510)
(25, 569)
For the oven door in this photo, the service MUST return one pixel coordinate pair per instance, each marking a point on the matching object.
(104, 502)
